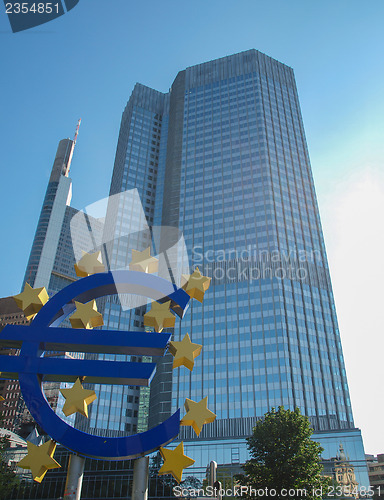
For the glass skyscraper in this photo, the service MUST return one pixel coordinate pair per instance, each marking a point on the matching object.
(223, 159)
(53, 214)
(51, 261)
(52, 258)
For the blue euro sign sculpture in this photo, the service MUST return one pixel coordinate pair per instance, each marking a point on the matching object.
(43, 335)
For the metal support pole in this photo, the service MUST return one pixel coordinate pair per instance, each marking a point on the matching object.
(213, 480)
(140, 479)
(74, 480)
(212, 475)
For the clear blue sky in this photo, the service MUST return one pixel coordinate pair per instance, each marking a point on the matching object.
(86, 63)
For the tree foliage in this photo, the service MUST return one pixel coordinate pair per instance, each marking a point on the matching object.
(159, 486)
(283, 458)
(8, 477)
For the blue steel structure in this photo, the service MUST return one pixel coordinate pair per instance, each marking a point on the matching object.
(31, 368)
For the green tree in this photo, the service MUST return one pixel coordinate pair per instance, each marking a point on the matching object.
(191, 482)
(8, 477)
(283, 458)
(159, 486)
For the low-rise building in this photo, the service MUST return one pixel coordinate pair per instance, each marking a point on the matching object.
(11, 406)
(376, 474)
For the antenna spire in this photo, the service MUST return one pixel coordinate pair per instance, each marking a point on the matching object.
(77, 131)
(68, 166)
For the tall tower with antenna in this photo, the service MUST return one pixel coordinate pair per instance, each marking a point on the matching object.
(52, 249)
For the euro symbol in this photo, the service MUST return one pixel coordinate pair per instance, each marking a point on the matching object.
(43, 335)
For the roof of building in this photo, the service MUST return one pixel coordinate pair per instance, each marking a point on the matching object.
(14, 439)
(8, 306)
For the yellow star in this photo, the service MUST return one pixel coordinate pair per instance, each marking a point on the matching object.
(31, 300)
(77, 399)
(86, 316)
(197, 414)
(174, 462)
(159, 316)
(184, 352)
(142, 261)
(39, 459)
(90, 263)
(196, 285)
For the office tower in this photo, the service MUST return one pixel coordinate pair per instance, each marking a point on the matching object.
(57, 199)
(52, 258)
(223, 158)
(51, 263)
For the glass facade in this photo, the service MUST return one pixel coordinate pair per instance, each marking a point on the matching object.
(57, 197)
(249, 215)
(223, 158)
(52, 258)
(119, 410)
